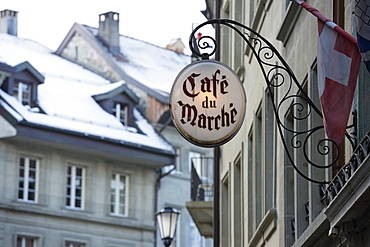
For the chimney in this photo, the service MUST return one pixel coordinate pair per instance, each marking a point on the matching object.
(9, 22)
(109, 30)
(176, 45)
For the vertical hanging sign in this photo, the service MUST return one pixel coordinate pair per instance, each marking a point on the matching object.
(207, 103)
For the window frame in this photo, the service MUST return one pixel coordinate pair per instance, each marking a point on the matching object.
(26, 179)
(117, 192)
(23, 239)
(19, 89)
(69, 243)
(121, 114)
(72, 197)
(178, 159)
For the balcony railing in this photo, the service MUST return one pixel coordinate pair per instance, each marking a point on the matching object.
(361, 152)
(202, 179)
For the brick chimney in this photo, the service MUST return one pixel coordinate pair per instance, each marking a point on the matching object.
(109, 30)
(9, 22)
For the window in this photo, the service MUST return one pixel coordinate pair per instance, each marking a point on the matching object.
(75, 187)
(259, 169)
(76, 53)
(251, 179)
(22, 92)
(289, 184)
(27, 183)
(238, 226)
(178, 158)
(225, 34)
(338, 12)
(196, 159)
(74, 244)
(115, 17)
(268, 165)
(119, 194)
(254, 7)
(23, 241)
(251, 11)
(255, 180)
(287, 2)
(225, 217)
(121, 113)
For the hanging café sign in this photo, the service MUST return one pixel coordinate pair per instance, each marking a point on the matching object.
(207, 103)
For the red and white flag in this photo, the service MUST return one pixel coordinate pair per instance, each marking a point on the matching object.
(338, 64)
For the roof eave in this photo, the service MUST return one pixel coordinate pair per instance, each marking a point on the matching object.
(121, 89)
(133, 152)
(27, 66)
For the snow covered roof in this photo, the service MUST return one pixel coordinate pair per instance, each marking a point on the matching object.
(66, 96)
(153, 66)
(110, 90)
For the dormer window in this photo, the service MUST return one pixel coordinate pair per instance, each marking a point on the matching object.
(21, 82)
(121, 112)
(119, 101)
(22, 92)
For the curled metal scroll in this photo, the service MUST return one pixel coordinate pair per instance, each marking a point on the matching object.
(280, 75)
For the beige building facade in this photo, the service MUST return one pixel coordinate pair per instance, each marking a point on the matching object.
(264, 200)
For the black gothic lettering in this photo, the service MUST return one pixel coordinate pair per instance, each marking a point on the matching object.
(224, 117)
(191, 81)
(215, 82)
(202, 123)
(223, 85)
(189, 114)
(191, 110)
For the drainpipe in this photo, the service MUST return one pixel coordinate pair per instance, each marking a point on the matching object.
(216, 179)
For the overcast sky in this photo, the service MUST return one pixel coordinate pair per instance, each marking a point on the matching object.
(154, 21)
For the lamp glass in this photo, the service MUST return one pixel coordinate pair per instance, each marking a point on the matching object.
(167, 219)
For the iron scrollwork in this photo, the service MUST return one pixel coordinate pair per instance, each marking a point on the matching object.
(278, 75)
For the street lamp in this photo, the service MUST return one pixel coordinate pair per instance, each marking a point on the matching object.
(167, 219)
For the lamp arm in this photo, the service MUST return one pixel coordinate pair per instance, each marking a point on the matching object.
(292, 96)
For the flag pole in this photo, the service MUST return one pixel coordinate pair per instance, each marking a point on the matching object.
(327, 21)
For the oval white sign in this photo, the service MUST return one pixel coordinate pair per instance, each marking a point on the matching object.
(207, 103)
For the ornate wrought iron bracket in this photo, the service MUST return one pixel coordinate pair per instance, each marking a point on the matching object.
(292, 96)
